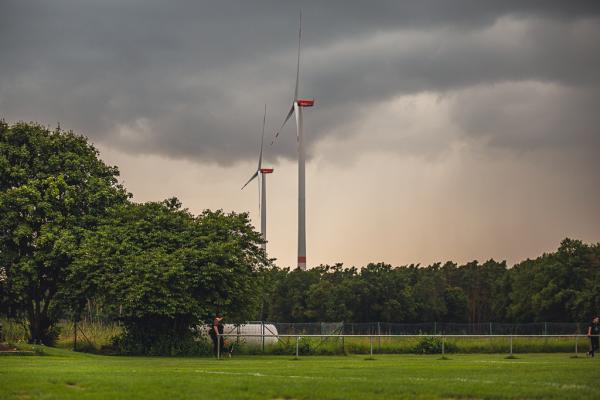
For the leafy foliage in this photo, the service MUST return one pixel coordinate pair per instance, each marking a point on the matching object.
(53, 187)
(560, 286)
(162, 271)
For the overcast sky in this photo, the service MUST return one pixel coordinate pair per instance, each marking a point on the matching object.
(442, 130)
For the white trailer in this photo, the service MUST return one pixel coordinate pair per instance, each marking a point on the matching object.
(252, 334)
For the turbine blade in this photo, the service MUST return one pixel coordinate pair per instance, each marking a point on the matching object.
(289, 115)
(250, 180)
(298, 63)
(262, 139)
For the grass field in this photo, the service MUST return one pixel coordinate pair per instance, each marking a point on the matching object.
(62, 374)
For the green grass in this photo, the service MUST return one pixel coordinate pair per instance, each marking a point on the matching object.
(62, 374)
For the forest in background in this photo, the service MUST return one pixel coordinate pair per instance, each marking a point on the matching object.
(555, 287)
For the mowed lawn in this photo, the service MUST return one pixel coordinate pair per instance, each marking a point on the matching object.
(65, 375)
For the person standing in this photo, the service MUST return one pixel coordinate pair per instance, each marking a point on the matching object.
(593, 332)
(216, 332)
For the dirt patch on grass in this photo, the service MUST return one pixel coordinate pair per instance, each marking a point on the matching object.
(73, 385)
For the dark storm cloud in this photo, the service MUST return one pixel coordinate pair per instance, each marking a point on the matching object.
(189, 79)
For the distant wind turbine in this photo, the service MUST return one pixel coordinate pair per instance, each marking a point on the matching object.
(297, 106)
(262, 185)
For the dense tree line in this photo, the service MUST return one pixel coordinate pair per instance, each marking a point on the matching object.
(559, 286)
(70, 234)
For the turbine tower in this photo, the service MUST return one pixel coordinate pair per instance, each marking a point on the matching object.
(262, 186)
(296, 108)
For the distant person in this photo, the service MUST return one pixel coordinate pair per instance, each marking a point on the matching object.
(216, 329)
(593, 332)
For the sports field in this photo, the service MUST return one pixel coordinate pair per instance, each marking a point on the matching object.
(61, 374)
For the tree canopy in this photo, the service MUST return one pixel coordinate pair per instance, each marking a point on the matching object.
(53, 187)
(556, 287)
(162, 271)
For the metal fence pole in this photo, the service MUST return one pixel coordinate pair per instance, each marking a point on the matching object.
(262, 326)
(371, 339)
(297, 345)
(218, 346)
(75, 336)
(343, 344)
(576, 340)
(443, 346)
(379, 338)
(511, 345)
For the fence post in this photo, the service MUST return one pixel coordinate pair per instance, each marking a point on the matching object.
(490, 328)
(343, 343)
(379, 338)
(435, 327)
(443, 346)
(576, 340)
(371, 339)
(262, 328)
(297, 345)
(74, 335)
(545, 328)
(218, 346)
(511, 345)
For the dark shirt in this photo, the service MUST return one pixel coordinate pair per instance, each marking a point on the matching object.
(595, 329)
(218, 324)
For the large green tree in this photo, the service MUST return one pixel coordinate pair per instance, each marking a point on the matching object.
(162, 271)
(53, 188)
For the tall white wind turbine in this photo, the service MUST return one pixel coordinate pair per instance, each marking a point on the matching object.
(296, 108)
(262, 184)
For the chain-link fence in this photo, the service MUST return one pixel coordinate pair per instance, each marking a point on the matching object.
(255, 337)
(429, 328)
(385, 338)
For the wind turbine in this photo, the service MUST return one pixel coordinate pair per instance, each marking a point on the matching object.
(296, 108)
(262, 184)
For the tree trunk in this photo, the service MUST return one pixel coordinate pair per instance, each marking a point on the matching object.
(39, 326)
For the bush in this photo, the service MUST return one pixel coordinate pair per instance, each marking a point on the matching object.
(160, 336)
(428, 345)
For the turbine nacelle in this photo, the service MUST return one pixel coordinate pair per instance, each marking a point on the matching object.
(305, 102)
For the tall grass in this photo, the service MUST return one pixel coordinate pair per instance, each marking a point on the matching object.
(14, 331)
(415, 345)
(91, 336)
